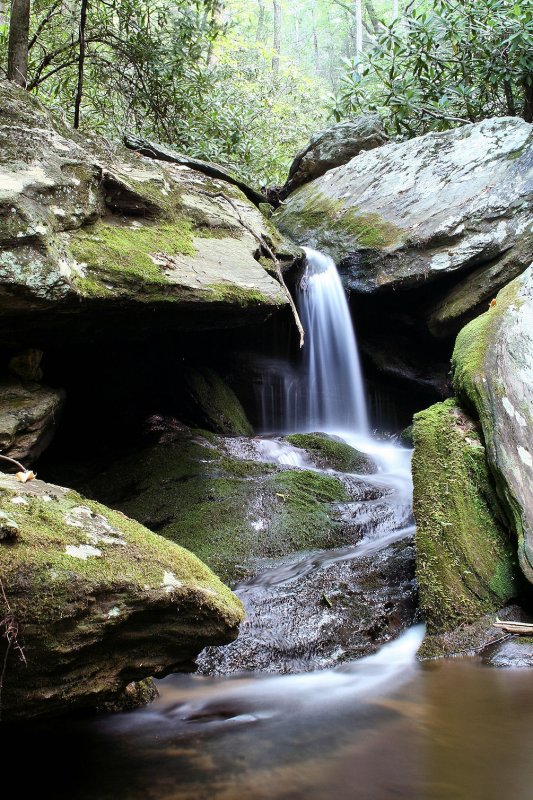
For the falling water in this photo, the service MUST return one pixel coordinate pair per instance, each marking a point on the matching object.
(335, 397)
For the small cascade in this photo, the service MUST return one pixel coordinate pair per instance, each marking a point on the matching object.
(335, 396)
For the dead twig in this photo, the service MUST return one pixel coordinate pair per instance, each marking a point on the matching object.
(10, 628)
(270, 253)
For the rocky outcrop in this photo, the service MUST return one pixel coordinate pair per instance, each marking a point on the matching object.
(86, 226)
(493, 376)
(333, 148)
(425, 232)
(415, 211)
(91, 601)
(29, 415)
(465, 557)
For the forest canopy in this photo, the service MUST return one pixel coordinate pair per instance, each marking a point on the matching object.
(245, 82)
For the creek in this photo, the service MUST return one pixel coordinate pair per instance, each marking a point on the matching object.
(288, 711)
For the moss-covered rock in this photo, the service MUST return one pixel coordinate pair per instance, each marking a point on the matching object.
(84, 223)
(214, 405)
(465, 560)
(493, 376)
(331, 452)
(94, 601)
(227, 510)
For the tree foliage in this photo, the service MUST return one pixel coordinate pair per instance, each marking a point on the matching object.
(445, 63)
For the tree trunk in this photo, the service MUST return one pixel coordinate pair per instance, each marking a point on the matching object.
(81, 63)
(358, 28)
(277, 37)
(395, 9)
(260, 33)
(527, 112)
(19, 29)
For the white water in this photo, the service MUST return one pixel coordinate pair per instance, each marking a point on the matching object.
(335, 390)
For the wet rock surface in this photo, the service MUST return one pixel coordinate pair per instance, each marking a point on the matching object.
(324, 615)
(323, 561)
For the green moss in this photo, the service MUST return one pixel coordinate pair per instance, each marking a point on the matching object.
(228, 511)
(329, 219)
(331, 452)
(118, 254)
(471, 348)
(465, 561)
(60, 581)
(214, 405)
(240, 295)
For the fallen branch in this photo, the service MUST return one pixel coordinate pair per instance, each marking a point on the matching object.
(270, 253)
(15, 463)
(520, 628)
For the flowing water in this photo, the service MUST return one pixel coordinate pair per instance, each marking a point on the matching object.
(383, 726)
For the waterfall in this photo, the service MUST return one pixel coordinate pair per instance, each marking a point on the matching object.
(325, 393)
(334, 390)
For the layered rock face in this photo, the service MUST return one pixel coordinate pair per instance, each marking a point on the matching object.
(87, 225)
(425, 233)
(493, 375)
(92, 601)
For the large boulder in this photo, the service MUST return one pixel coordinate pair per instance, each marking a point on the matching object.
(29, 415)
(465, 559)
(493, 376)
(87, 226)
(91, 601)
(333, 147)
(451, 209)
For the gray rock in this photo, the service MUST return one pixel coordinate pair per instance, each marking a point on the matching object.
(410, 213)
(513, 653)
(333, 147)
(95, 601)
(29, 415)
(90, 229)
(493, 374)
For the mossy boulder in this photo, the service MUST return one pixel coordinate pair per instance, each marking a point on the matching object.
(214, 405)
(188, 487)
(94, 601)
(410, 213)
(493, 376)
(331, 452)
(89, 229)
(466, 565)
